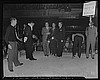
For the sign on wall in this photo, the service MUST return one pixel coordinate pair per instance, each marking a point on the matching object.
(89, 8)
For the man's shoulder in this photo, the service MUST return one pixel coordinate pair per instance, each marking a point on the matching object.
(87, 27)
(27, 27)
(95, 27)
(9, 27)
(43, 27)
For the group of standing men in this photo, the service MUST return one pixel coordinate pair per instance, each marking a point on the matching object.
(91, 37)
(53, 39)
(12, 39)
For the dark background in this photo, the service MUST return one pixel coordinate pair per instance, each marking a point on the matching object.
(30, 12)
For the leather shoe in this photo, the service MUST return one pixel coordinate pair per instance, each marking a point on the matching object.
(79, 56)
(87, 57)
(32, 59)
(46, 55)
(73, 56)
(27, 58)
(92, 57)
(11, 70)
(19, 64)
(59, 56)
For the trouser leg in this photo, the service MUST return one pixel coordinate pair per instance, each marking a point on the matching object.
(93, 46)
(59, 49)
(15, 60)
(50, 46)
(31, 52)
(46, 48)
(10, 56)
(75, 46)
(27, 50)
(79, 46)
(53, 47)
(87, 47)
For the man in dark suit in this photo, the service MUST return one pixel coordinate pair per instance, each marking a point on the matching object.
(28, 39)
(60, 39)
(78, 40)
(53, 40)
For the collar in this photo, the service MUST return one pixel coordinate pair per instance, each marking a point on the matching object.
(47, 29)
(13, 25)
(30, 26)
(60, 27)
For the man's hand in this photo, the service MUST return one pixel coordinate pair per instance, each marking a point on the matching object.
(48, 41)
(61, 40)
(52, 37)
(34, 36)
(21, 39)
(9, 46)
(48, 33)
(25, 39)
(82, 42)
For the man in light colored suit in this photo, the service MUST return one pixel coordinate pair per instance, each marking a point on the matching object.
(45, 33)
(91, 34)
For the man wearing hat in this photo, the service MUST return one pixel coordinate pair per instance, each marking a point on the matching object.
(91, 34)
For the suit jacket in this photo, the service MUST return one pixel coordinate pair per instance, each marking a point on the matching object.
(53, 33)
(10, 34)
(28, 34)
(50, 35)
(44, 33)
(91, 32)
(60, 34)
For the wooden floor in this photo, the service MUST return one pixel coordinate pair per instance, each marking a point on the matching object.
(54, 66)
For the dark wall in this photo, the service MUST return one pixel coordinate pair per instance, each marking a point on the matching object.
(81, 24)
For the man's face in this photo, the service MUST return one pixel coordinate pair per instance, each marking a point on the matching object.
(53, 24)
(32, 24)
(14, 22)
(60, 24)
(47, 24)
